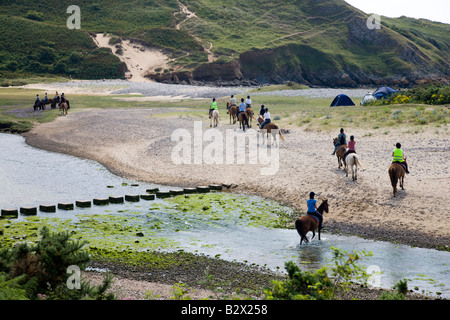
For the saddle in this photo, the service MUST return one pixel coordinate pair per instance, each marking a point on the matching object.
(401, 163)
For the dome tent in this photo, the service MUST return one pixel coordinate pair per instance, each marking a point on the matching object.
(342, 100)
(383, 92)
(367, 98)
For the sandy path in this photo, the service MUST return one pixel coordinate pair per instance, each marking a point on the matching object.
(139, 59)
(136, 144)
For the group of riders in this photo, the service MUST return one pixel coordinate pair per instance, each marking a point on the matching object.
(243, 105)
(57, 100)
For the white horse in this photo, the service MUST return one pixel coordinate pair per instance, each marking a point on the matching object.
(352, 160)
(215, 117)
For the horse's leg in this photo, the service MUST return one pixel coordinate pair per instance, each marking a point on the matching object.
(401, 182)
(314, 234)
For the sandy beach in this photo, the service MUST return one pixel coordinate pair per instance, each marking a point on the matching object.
(136, 144)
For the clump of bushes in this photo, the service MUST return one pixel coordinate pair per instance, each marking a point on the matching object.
(427, 94)
(40, 271)
(323, 284)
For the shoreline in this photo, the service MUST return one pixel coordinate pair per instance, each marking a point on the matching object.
(147, 159)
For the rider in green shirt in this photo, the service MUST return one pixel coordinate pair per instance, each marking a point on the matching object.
(213, 107)
(398, 156)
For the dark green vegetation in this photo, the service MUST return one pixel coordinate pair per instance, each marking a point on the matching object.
(313, 42)
(39, 271)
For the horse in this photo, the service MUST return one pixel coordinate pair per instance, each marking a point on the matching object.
(63, 108)
(39, 105)
(243, 120)
(352, 160)
(268, 130)
(396, 174)
(250, 114)
(232, 110)
(308, 223)
(215, 118)
(340, 152)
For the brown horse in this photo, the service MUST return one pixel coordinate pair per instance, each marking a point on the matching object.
(250, 114)
(308, 223)
(396, 174)
(340, 152)
(243, 120)
(63, 108)
(268, 130)
(232, 110)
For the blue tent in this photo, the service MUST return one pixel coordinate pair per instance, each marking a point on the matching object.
(383, 92)
(342, 100)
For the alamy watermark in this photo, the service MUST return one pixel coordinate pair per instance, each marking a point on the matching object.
(74, 280)
(374, 22)
(232, 148)
(74, 21)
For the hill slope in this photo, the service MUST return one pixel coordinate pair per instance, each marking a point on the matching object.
(324, 43)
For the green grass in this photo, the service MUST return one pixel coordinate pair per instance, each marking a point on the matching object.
(293, 112)
(290, 36)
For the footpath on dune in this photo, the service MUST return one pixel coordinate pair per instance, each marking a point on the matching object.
(136, 144)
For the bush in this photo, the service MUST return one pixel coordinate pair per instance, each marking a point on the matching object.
(33, 271)
(319, 285)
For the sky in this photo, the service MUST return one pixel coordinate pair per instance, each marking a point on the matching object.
(435, 10)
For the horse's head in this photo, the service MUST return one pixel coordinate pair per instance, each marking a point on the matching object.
(228, 104)
(335, 140)
(323, 206)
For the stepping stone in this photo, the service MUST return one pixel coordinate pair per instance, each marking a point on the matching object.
(215, 187)
(28, 211)
(147, 196)
(116, 200)
(47, 208)
(163, 194)
(132, 197)
(83, 203)
(152, 190)
(101, 201)
(65, 206)
(190, 190)
(9, 213)
(203, 189)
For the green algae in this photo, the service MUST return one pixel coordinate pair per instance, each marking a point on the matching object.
(243, 210)
(134, 233)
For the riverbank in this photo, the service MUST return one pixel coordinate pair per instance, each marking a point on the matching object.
(136, 144)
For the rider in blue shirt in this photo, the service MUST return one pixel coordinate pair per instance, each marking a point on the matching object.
(312, 209)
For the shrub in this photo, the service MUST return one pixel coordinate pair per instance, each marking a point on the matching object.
(28, 271)
(318, 285)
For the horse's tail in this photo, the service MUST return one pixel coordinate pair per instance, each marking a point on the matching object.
(393, 176)
(358, 163)
(279, 132)
(299, 227)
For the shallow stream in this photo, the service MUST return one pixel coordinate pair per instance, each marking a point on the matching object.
(219, 224)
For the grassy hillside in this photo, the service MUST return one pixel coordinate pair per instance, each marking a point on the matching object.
(310, 41)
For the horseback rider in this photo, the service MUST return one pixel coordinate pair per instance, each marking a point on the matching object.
(266, 118)
(233, 102)
(37, 99)
(312, 209)
(262, 110)
(242, 107)
(351, 147)
(399, 157)
(213, 107)
(56, 98)
(248, 102)
(342, 139)
(45, 100)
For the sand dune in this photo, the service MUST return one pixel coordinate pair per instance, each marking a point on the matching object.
(139, 59)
